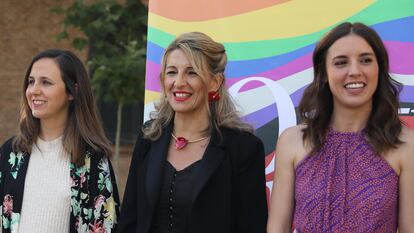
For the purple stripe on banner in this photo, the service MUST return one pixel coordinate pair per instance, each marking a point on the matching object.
(401, 57)
(265, 115)
(261, 117)
(296, 66)
(293, 67)
(407, 94)
(152, 81)
(297, 95)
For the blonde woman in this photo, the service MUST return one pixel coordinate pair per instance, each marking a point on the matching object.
(196, 166)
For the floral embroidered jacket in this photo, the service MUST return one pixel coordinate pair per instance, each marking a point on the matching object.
(94, 194)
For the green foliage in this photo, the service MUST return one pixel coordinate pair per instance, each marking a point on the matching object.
(116, 78)
(116, 37)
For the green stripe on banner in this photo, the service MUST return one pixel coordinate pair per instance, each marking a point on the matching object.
(396, 9)
(159, 37)
(267, 48)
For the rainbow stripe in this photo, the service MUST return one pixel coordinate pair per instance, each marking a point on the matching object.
(272, 41)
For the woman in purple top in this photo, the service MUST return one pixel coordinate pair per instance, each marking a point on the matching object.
(350, 166)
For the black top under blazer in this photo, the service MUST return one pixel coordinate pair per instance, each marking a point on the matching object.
(229, 194)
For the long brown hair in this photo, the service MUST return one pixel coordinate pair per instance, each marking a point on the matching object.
(208, 59)
(384, 126)
(83, 128)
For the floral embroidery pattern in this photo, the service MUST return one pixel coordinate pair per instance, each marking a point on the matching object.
(98, 215)
(10, 220)
(15, 161)
(90, 212)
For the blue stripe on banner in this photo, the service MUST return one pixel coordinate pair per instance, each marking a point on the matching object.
(241, 68)
(396, 30)
(154, 52)
(250, 67)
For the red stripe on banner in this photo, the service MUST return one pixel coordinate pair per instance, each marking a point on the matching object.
(268, 160)
(269, 176)
(408, 120)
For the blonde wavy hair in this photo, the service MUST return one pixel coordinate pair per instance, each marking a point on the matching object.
(209, 60)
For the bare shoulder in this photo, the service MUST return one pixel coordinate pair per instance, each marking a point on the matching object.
(292, 133)
(406, 150)
(407, 134)
(290, 144)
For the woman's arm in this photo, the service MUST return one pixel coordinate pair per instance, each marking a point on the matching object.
(251, 192)
(106, 206)
(282, 198)
(128, 217)
(406, 183)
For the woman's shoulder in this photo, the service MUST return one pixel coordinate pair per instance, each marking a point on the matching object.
(242, 147)
(7, 146)
(7, 152)
(291, 145)
(150, 128)
(407, 134)
(406, 149)
(403, 155)
(8, 142)
(239, 135)
(292, 134)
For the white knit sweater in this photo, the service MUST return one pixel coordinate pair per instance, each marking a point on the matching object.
(46, 198)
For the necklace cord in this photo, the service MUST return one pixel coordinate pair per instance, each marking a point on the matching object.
(188, 141)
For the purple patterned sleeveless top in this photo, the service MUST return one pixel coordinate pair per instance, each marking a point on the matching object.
(345, 187)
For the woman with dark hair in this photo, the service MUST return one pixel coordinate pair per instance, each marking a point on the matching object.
(55, 174)
(351, 168)
(196, 167)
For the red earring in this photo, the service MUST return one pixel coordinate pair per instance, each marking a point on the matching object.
(213, 96)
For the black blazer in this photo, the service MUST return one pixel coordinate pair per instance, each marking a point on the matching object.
(229, 196)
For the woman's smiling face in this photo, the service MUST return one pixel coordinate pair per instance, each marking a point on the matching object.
(186, 91)
(46, 92)
(352, 71)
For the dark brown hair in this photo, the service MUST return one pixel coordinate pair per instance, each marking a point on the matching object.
(83, 128)
(384, 126)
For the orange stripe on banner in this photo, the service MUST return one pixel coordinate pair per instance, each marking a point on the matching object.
(190, 10)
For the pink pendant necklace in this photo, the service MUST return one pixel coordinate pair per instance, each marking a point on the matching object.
(181, 142)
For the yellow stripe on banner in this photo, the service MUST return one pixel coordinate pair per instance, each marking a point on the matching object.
(151, 96)
(294, 18)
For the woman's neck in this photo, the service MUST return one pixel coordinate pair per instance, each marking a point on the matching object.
(50, 130)
(190, 127)
(347, 120)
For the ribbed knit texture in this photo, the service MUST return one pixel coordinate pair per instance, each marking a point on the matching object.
(46, 198)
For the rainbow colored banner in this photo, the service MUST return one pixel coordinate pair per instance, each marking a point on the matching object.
(269, 45)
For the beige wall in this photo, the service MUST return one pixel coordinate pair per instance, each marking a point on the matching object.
(26, 28)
